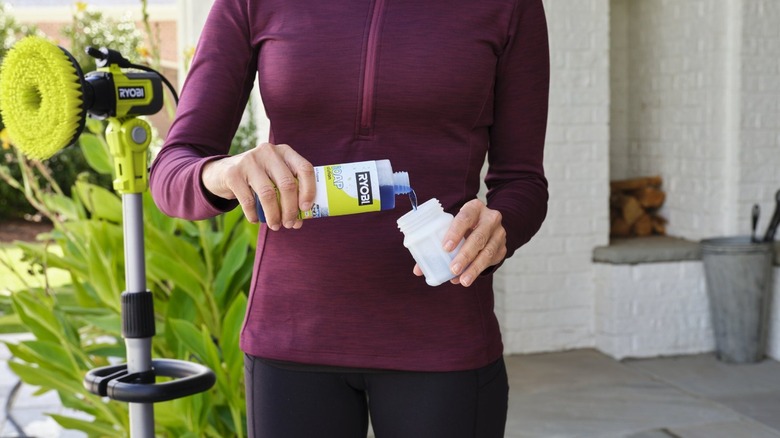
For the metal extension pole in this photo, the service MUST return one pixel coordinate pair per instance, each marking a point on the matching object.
(139, 350)
(134, 382)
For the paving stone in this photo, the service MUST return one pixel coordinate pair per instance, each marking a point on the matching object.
(549, 371)
(762, 407)
(706, 376)
(579, 394)
(744, 428)
(651, 434)
(599, 410)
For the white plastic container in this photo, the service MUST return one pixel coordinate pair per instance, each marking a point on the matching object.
(424, 231)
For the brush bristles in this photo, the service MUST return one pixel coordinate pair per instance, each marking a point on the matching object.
(40, 97)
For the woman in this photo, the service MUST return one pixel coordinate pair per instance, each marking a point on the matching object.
(337, 327)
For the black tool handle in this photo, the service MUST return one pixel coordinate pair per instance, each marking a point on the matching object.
(754, 214)
(116, 383)
(770, 231)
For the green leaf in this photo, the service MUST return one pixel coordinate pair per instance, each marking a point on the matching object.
(47, 379)
(37, 317)
(203, 347)
(93, 428)
(212, 354)
(62, 205)
(96, 126)
(233, 261)
(231, 219)
(11, 324)
(161, 268)
(154, 218)
(39, 252)
(184, 253)
(231, 329)
(188, 334)
(106, 350)
(108, 323)
(48, 355)
(96, 152)
(84, 295)
(102, 203)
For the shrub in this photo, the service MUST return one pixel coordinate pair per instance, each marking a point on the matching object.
(199, 273)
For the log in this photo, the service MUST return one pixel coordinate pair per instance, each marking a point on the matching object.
(629, 208)
(659, 225)
(619, 228)
(643, 226)
(649, 197)
(634, 205)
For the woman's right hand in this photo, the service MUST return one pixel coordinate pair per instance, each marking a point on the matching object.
(263, 170)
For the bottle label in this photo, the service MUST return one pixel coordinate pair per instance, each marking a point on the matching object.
(345, 189)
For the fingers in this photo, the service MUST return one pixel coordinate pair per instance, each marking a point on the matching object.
(280, 172)
(275, 175)
(485, 243)
(303, 171)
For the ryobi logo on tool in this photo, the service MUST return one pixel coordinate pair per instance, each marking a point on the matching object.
(131, 92)
(365, 196)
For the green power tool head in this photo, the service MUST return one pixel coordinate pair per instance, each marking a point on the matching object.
(41, 97)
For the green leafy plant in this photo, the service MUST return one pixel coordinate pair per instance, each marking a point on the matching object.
(91, 28)
(198, 272)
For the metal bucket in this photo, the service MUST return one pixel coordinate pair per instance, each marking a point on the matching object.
(739, 285)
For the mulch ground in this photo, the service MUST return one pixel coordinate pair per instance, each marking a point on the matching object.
(11, 230)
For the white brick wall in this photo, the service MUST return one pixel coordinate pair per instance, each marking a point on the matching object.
(693, 96)
(661, 309)
(759, 121)
(669, 58)
(652, 309)
(545, 292)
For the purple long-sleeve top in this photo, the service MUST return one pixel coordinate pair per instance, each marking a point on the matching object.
(432, 85)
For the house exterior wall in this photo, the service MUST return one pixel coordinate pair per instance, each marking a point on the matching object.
(649, 310)
(759, 128)
(674, 63)
(702, 80)
(545, 292)
(688, 90)
(758, 122)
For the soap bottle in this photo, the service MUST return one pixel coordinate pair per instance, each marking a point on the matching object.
(424, 229)
(350, 188)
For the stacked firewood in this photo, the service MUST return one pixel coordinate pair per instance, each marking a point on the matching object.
(634, 205)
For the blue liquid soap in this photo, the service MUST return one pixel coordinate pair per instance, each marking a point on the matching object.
(352, 188)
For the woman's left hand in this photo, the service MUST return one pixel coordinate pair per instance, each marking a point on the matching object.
(485, 243)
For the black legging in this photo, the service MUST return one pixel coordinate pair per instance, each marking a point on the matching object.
(289, 403)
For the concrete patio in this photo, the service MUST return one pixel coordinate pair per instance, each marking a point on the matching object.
(581, 393)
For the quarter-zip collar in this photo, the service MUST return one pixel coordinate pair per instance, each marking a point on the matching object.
(366, 110)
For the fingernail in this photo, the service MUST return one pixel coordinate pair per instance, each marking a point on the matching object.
(449, 246)
(289, 224)
(274, 227)
(456, 268)
(466, 280)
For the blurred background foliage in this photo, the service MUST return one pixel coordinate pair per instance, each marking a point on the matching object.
(199, 272)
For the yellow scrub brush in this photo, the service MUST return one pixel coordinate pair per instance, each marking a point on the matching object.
(41, 97)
